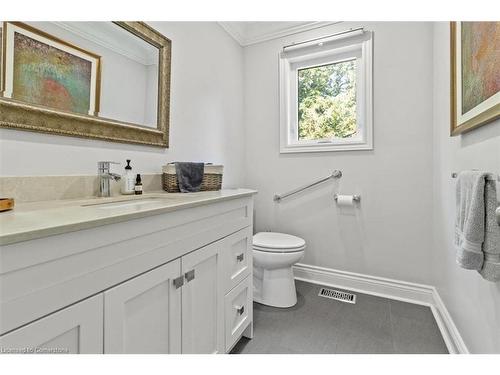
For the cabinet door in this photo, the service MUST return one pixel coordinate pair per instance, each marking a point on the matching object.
(75, 329)
(143, 315)
(202, 301)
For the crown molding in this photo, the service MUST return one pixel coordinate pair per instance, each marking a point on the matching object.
(141, 59)
(233, 32)
(246, 40)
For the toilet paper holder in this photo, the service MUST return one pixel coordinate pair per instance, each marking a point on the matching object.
(355, 198)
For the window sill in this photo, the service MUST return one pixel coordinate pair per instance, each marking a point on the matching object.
(325, 148)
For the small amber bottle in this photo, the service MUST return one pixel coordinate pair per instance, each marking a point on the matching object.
(138, 185)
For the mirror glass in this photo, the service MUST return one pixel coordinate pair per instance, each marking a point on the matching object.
(89, 68)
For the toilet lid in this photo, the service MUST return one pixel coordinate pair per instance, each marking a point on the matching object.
(273, 241)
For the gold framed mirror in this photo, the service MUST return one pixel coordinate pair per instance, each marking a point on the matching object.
(98, 80)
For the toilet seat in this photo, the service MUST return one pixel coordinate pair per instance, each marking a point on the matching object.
(270, 250)
(273, 242)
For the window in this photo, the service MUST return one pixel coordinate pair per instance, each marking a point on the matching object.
(325, 95)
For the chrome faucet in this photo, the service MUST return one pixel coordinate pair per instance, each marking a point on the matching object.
(104, 176)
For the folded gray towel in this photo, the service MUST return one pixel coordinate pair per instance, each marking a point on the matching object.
(189, 176)
(491, 246)
(469, 223)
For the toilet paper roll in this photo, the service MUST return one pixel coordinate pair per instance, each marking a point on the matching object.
(345, 200)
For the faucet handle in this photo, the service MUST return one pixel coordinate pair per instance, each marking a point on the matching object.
(102, 165)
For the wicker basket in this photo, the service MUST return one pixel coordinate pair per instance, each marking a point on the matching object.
(212, 178)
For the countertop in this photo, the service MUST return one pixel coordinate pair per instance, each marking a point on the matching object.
(29, 221)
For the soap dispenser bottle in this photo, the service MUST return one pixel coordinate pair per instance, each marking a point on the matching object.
(128, 182)
(138, 185)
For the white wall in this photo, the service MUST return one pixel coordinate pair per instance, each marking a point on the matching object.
(390, 235)
(206, 121)
(473, 303)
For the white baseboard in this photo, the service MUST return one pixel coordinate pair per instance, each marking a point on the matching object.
(388, 288)
(378, 286)
(448, 329)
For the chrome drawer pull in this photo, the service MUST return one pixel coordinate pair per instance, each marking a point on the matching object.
(240, 310)
(240, 257)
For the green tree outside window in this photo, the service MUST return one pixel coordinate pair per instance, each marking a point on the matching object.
(327, 101)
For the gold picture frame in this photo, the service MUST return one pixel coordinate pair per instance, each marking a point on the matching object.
(23, 116)
(57, 44)
(483, 113)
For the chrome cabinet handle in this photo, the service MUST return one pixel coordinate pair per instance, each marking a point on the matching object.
(189, 275)
(240, 257)
(240, 309)
(178, 282)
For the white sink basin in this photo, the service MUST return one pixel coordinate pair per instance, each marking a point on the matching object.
(136, 203)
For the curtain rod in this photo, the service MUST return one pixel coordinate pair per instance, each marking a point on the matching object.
(324, 37)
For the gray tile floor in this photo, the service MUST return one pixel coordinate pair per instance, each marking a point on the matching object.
(318, 325)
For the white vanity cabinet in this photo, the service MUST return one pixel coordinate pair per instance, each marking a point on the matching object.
(171, 283)
(182, 306)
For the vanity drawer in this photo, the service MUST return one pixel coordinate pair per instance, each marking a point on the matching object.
(237, 257)
(238, 311)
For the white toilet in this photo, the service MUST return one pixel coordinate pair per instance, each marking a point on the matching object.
(274, 254)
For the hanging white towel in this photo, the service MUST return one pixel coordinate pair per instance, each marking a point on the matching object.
(469, 223)
(477, 235)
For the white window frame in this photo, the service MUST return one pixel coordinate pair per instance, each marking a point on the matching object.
(347, 47)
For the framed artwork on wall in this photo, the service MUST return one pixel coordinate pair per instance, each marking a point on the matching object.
(475, 74)
(43, 70)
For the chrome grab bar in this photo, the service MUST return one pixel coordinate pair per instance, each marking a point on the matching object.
(335, 174)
